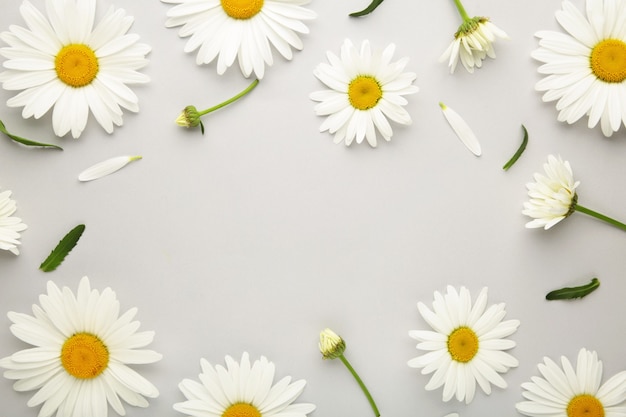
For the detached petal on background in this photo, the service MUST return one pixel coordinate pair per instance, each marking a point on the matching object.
(462, 129)
(107, 167)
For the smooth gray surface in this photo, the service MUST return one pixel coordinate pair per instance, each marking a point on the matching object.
(261, 233)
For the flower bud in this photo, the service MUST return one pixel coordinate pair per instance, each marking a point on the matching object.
(331, 345)
(189, 117)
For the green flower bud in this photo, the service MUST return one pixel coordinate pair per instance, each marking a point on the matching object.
(331, 345)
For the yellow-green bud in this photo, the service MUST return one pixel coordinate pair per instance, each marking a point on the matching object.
(331, 345)
(189, 117)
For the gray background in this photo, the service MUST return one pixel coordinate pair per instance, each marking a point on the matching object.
(257, 235)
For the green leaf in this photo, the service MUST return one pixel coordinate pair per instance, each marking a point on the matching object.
(519, 152)
(26, 142)
(574, 292)
(369, 9)
(62, 249)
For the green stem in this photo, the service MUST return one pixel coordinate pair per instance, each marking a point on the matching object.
(600, 216)
(361, 384)
(461, 10)
(230, 100)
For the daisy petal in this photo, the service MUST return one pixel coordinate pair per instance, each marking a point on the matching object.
(107, 167)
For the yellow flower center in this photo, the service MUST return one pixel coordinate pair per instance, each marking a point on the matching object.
(241, 410)
(84, 356)
(76, 65)
(585, 405)
(364, 92)
(242, 9)
(463, 344)
(608, 60)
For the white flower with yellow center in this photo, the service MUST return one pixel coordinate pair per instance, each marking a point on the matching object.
(586, 68)
(243, 29)
(242, 390)
(365, 89)
(467, 345)
(61, 60)
(568, 392)
(82, 349)
(10, 227)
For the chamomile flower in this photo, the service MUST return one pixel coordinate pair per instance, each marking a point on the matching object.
(473, 41)
(365, 89)
(62, 61)
(242, 389)
(466, 345)
(242, 29)
(585, 68)
(10, 226)
(81, 351)
(553, 197)
(553, 194)
(574, 392)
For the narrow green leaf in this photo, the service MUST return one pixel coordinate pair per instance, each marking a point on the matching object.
(369, 9)
(62, 249)
(519, 152)
(574, 292)
(26, 142)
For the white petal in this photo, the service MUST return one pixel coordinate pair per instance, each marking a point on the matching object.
(462, 129)
(107, 167)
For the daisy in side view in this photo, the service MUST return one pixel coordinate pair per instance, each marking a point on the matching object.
(466, 344)
(63, 62)
(574, 392)
(365, 89)
(473, 41)
(242, 29)
(10, 227)
(553, 197)
(585, 68)
(242, 389)
(82, 349)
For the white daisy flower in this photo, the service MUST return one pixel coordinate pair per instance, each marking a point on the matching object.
(586, 67)
(243, 29)
(472, 43)
(61, 60)
(242, 390)
(10, 227)
(574, 392)
(466, 345)
(365, 90)
(552, 196)
(82, 349)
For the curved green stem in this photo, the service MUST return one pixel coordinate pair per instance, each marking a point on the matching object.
(361, 384)
(600, 216)
(461, 10)
(230, 100)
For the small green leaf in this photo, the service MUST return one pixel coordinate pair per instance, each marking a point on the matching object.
(519, 152)
(62, 249)
(574, 292)
(26, 142)
(369, 9)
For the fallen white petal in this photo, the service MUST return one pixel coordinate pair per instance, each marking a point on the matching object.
(107, 167)
(461, 129)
